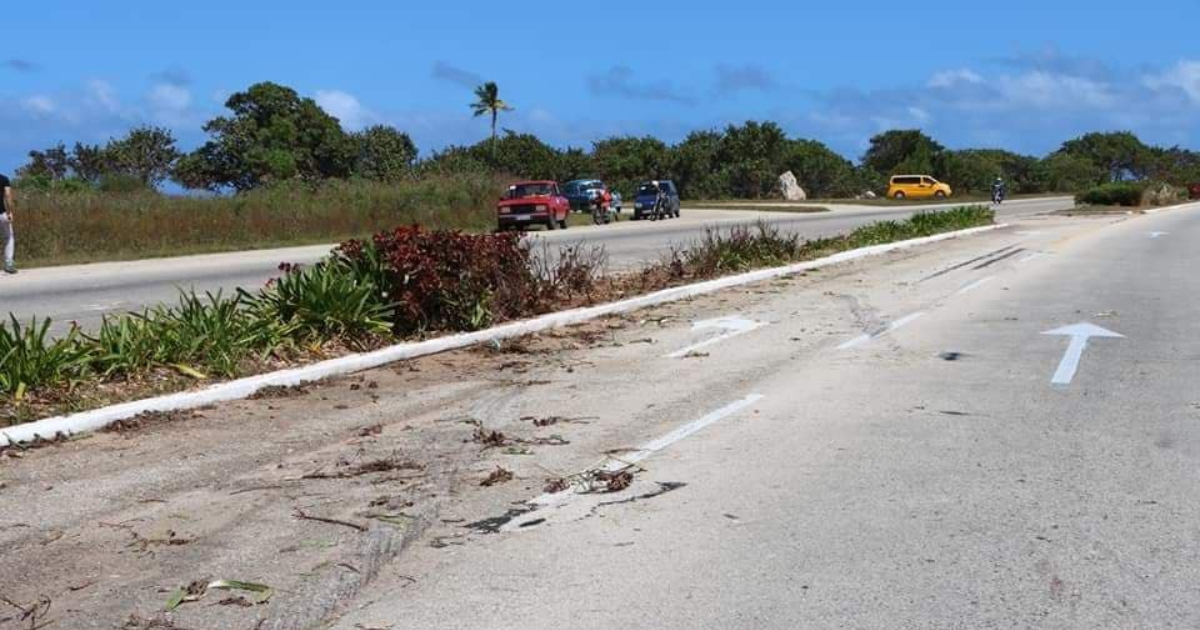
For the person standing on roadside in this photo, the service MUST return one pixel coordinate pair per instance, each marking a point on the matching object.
(6, 225)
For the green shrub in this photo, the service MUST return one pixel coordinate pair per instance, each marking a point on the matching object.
(329, 300)
(740, 248)
(1114, 194)
(29, 359)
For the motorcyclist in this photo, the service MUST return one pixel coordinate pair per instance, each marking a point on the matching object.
(661, 201)
(603, 203)
(999, 190)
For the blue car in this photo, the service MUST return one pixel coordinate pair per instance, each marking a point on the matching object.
(647, 193)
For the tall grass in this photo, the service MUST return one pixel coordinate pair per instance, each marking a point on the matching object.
(58, 228)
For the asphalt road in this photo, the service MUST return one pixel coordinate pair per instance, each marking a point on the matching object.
(901, 445)
(84, 293)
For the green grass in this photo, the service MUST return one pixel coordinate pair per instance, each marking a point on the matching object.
(56, 229)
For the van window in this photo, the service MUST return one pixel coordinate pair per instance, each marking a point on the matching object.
(906, 181)
(928, 181)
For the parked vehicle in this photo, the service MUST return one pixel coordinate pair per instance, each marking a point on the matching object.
(582, 192)
(646, 204)
(533, 202)
(917, 187)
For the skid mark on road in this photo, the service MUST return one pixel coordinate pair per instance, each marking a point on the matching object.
(892, 327)
(999, 252)
(988, 263)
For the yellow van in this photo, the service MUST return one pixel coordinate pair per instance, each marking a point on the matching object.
(917, 187)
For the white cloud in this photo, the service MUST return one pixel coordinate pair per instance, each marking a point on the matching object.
(1183, 76)
(38, 104)
(1045, 90)
(169, 97)
(952, 78)
(346, 108)
(103, 94)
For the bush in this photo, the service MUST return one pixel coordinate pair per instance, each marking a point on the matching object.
(325, 301)
(446, 280)
(1115, 194)
(30, 359)
(1163, 194)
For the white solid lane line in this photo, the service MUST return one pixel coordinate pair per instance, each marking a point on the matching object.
(613, 464)
(892, 327)
(734, 325)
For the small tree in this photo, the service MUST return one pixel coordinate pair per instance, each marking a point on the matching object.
(383, 153)
(147, 153)
(488, 101)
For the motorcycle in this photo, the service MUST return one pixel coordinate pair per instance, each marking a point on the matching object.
(601, 213)
(997, 196)
(661, 211)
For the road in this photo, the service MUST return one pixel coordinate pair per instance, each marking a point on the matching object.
(84, 293)
(929, 475)
(892, 443)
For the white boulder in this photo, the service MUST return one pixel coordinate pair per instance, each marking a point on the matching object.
(790, 187)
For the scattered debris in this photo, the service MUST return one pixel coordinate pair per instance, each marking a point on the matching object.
(279, 391)
(143, 420)
(595, 480)
(331, 521)
(373, 430)
(144, 544)
(196, 591)
(497, 477)
(33, 613)
(552, 420)
(695, 355)
(489, 439)
(951, 356)
(388, 464)
(556, 485)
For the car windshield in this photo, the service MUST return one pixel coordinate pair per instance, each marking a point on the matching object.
(648, 189)
(529, 190)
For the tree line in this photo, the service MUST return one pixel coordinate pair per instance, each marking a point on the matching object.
(273, 135)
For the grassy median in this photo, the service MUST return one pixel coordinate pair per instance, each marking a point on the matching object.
(402, 284)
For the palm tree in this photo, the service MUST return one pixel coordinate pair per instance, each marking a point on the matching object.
(490, 102)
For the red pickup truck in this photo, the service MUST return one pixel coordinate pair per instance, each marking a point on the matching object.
(533, 202)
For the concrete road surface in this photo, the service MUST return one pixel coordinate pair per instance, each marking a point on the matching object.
(988, 432)
(84, 293)
(916, 444)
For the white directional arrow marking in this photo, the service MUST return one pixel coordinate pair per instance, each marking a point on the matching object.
(733, 325)
(1079, 334)
(1158, 234)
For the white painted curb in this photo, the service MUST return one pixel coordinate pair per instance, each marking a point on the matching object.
(242, 388)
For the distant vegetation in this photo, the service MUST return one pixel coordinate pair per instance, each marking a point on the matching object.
(279, 170)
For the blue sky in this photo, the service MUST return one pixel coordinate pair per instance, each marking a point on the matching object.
(1018, 75)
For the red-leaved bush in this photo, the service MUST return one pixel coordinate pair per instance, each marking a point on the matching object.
(447, 280)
